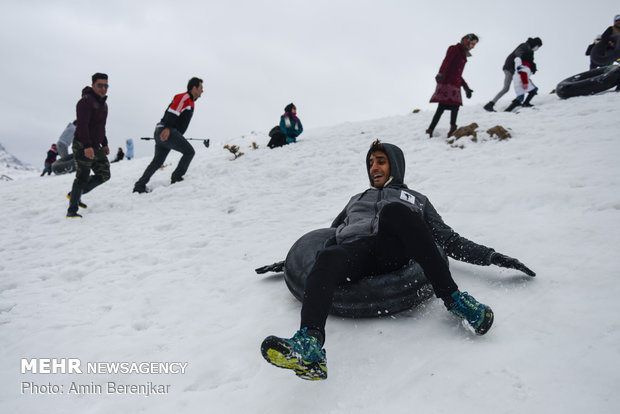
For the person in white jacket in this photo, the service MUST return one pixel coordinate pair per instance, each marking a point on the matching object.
(523, 85)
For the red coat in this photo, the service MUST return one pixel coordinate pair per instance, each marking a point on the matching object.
(448, 90)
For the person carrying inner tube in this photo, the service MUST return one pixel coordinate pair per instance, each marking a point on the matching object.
(522, 53)
(380, 230)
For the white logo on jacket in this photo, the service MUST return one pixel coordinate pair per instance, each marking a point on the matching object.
(407, 197)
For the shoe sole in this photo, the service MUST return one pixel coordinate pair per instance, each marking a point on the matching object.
(277, 353)
(486, 322)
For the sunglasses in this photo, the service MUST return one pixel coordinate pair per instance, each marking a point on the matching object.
(102, 85)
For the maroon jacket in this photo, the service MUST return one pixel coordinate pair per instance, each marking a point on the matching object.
(92, 112)
(448, 90)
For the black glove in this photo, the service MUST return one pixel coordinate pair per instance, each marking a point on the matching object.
(505, 261)
(468, 93)
(439, 77)
(275, 267)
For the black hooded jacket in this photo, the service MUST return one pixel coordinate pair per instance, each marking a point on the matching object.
(525, 52)
(360, 217)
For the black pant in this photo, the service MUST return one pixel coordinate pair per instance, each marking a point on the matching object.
(454, 111)
(402, 235)
(176, 142)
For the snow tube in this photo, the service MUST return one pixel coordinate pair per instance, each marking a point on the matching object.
(64, 165)
(372, 296)
(590, 82)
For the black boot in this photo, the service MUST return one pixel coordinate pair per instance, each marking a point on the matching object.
(429, 132)
(452, 129)
(489, 106)
(513, 105)
(529, 98)
(74, 200)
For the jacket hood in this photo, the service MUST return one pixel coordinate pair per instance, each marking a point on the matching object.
(397, 165)
(533, 42)
(90, 91)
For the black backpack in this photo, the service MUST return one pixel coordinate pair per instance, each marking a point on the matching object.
(278, 138)
(274, 131)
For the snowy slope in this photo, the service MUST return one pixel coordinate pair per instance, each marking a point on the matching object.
(168, 276)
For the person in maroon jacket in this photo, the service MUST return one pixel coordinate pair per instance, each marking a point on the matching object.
(450, 80)
(168, 135)
(90, 144)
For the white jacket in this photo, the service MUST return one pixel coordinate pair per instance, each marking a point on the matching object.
(520, 88)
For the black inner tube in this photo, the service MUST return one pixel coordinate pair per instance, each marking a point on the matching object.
(370, 297)
(590, 82)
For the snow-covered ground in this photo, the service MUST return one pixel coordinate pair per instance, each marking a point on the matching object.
(169, 276)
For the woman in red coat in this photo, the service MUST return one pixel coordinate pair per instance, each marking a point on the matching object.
(449, 82)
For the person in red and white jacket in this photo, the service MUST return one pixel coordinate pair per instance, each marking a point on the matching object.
(49, 160)
(169, 135)
(523, 85)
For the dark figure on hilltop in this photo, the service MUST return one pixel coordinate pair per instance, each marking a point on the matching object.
(119, 155)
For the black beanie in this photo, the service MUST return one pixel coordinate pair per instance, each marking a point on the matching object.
(289, 107)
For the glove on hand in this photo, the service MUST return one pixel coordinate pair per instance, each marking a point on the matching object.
(276, 267)
(511, 263)
(439, 77)
(468, 93)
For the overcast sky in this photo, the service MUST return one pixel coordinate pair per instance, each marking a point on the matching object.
(338, 61)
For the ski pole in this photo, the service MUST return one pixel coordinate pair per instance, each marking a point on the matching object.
(206, 142)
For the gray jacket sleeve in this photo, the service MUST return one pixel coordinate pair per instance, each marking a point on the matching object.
(452, 243)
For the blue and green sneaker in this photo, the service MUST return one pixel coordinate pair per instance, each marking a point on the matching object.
(479, 316)
(302, 353)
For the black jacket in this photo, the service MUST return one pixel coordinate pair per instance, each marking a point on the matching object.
(360, 217)
(523, 51)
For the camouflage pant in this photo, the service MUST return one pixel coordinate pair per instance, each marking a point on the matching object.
(100, 166)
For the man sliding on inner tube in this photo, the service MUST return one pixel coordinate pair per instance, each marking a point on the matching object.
(379, 231)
